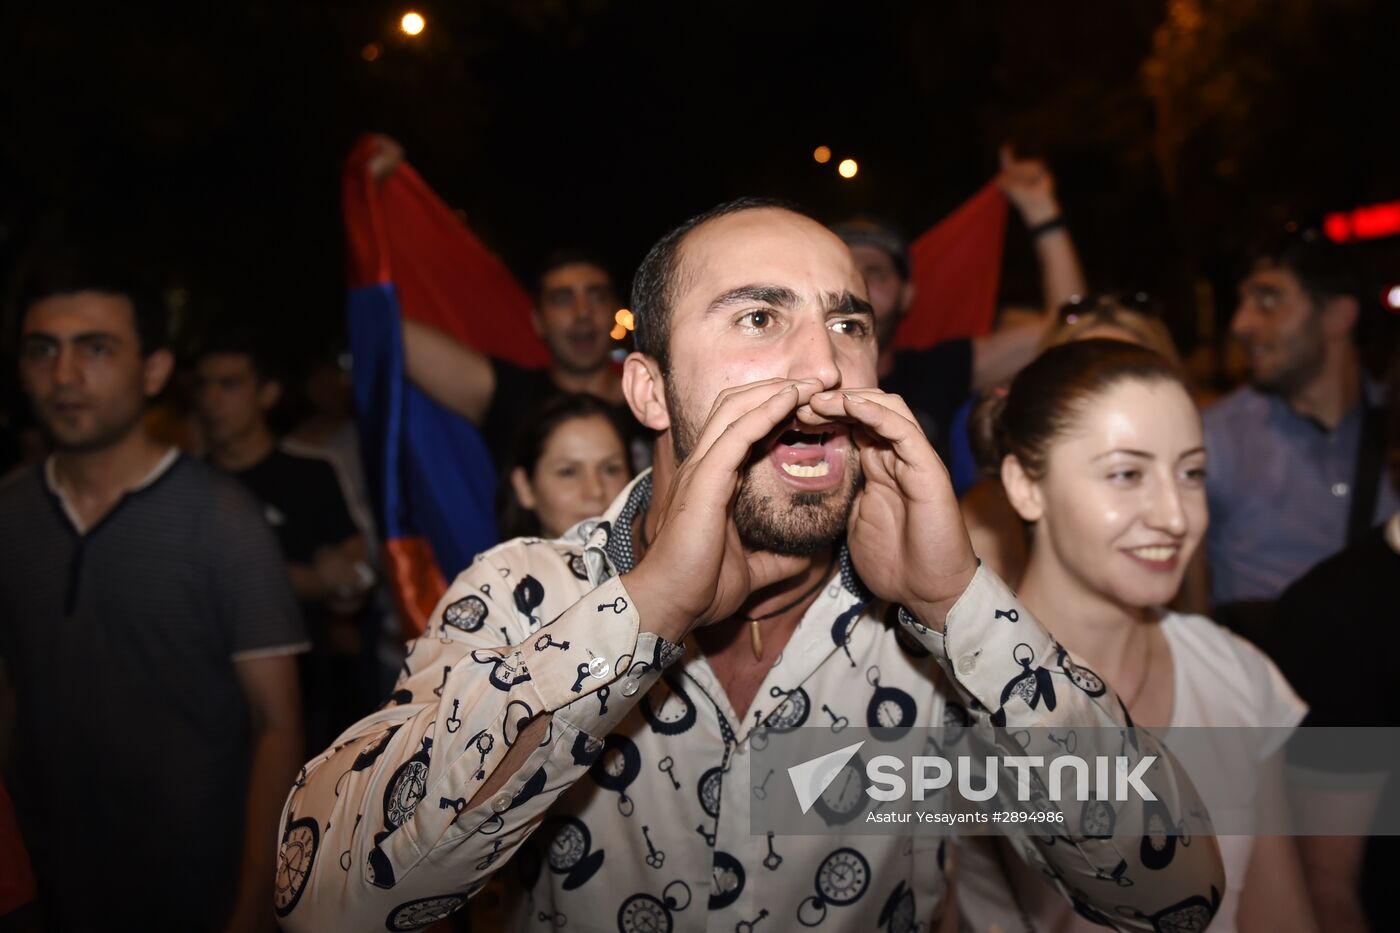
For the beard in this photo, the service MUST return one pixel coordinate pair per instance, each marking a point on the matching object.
(1304, 355)
(768, 516)
(107, 426)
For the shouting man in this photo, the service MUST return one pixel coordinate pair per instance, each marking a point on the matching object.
(600, 692)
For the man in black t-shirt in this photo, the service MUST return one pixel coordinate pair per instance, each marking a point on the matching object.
(303, 501)
(1334, 639)
(575, 304)
(575, 308)
(938, 380)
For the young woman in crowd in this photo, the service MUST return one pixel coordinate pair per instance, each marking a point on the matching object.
(996, 531)
(1101, 455)
(568, 464)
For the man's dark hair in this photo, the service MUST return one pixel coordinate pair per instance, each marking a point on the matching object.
(1325, 269)
(239, 341)
(76, 270)
(654, 287)
(558, 259)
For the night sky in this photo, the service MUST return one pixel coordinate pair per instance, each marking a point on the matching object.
(211, 135)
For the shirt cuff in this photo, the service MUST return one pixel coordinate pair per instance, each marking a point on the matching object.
(595, 644)
(987, 622)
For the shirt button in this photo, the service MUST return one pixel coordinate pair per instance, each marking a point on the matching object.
(598, 668)
(1340, 489)
(500, 803)
(967, 664)
(629, 687)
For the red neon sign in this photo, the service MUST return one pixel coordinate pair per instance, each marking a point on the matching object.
(1364, 223)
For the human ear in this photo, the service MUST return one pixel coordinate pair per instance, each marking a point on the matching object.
(1022, 491)
(644, 387)
(523, 491)
(269, 393)
(1339, 316)
(158, 367)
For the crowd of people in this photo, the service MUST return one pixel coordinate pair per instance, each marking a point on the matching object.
(748, 522)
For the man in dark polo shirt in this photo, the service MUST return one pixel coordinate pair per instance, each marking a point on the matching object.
(148, 632)
(303, 502)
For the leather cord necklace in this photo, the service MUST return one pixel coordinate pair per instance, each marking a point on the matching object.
(756, 631)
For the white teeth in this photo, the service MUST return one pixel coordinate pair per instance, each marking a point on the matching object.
(1154, 553)
(817, 469)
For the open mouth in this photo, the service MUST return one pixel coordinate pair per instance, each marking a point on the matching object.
(811, 457)
(1156, 556)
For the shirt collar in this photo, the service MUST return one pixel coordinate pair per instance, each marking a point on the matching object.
(1372, 396)
(610, 537)
(51, 481)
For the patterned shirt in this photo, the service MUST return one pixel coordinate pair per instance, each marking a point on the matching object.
(639, 798)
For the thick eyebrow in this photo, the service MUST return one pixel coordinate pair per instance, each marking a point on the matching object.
(1191, 453)
(846, 303)
(776, 295)
(87, 336)
(1256, 288)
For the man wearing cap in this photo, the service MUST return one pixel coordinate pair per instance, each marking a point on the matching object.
(937, 381)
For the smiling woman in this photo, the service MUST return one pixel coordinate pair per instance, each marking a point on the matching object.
(1101, 455)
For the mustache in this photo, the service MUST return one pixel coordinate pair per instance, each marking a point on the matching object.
(66, 397)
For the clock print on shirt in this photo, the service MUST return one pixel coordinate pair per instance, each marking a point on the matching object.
(294, 860)
(616, 768)
(726, 881)
(672, 712)
(468, 613)
(643, 913)
(842, 879)
(891, 711)
(424, 912)
(1191, 915)
(1081, 676)
(570, 843)
(845, 797)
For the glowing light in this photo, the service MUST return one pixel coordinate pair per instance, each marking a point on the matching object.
(1373, 222)
(370, 52)
(412, 23)
(618, 332)
(624, 317)
(1392, 298)
(822, 154)
(848, 168)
